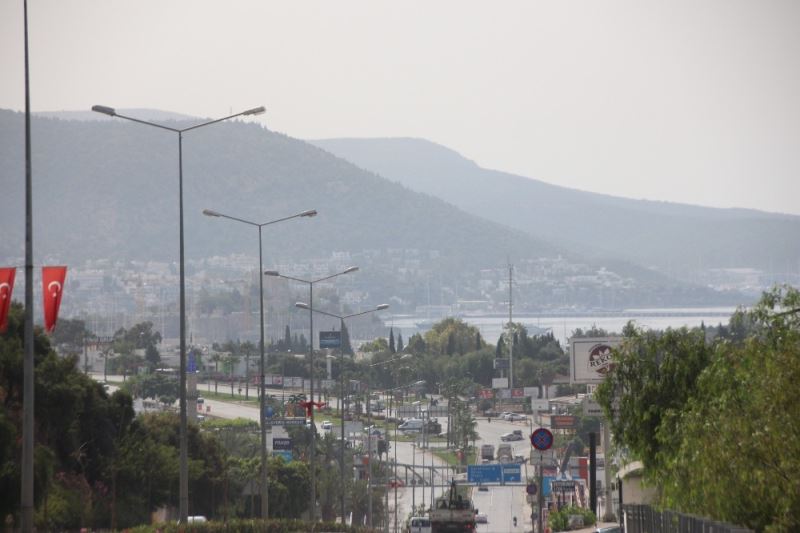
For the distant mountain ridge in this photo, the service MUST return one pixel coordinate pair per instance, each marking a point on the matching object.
(674, 238)
(108, 190)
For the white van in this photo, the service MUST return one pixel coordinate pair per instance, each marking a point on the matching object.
(412, 424)
(419, 524)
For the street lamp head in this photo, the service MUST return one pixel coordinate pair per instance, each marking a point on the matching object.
(110, 111)
(406, 356)
(271, 273)
(350, 269)
(381, 307)
(302, 305)
(309, 213)
(210, 213)
(255, 111)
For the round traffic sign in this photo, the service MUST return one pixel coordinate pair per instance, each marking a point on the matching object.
(542, 439)
(531, 489)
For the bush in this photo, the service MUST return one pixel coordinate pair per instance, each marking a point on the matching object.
(559, 521)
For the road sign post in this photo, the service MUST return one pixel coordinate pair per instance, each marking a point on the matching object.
(542, 440)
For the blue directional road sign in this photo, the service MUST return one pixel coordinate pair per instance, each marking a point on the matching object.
(494, 473)
(511, 473)
(485, 473)
(546, 490)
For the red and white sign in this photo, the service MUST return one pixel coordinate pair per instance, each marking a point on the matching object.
(517, 393)
(487, 394)
(591, 358)
(6, 288)
(52, 289)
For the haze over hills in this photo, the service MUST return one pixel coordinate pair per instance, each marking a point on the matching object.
(108, 190)
(681, 240)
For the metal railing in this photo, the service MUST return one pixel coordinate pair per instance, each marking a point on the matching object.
(646, 519)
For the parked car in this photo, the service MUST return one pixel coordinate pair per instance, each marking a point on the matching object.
(419, 524)
(505, 437)
(504, 415)
(481, 518)
(327, 425)
(609, 529)
(412, 424)
(514, 417)
(396, 483)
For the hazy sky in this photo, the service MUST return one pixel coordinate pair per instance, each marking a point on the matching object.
(686, 101)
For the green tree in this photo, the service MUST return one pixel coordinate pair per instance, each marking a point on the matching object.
(716, 421)
(152, 357)
(451, 335)
(658, 373)
(400, 342)
(71, 332)
(391, 341)
(346, 347)
(416, 345)
(740, 429)
(376, 346)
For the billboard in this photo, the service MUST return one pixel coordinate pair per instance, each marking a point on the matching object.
(531, 392)
(563, 422)
(538, 405)
(330, 339)
(590, 359)
(499, 383)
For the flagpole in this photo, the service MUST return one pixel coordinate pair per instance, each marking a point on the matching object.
(26, 495)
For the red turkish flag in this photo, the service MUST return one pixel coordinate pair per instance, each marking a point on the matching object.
(52, 288)
(6, 287)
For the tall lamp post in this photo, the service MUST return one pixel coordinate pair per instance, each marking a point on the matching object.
(262, 402)
(312, 456)
(183, 489)
(381, 307)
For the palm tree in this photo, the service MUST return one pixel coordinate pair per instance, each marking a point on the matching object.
(216, 358)
(230, 362)
(294, 400)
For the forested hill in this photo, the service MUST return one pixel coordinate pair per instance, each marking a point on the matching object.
(675, 238)
(108, 189)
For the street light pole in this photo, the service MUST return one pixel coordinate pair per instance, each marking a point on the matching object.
(381, 307)
(310, 306)
(28, 367)
(262, 399)
(183, 487)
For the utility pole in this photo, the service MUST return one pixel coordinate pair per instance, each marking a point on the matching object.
(510, 326)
